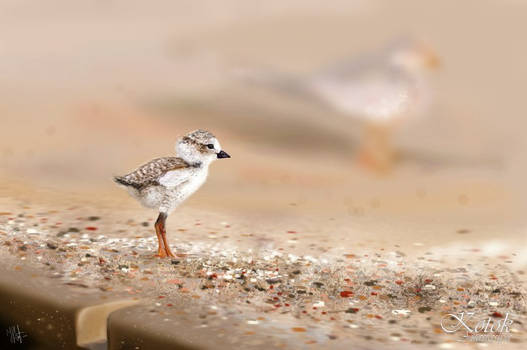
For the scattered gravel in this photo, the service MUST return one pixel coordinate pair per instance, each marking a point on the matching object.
(378, 296)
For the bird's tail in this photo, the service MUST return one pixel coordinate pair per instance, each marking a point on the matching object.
(121, 181)
(280, 82)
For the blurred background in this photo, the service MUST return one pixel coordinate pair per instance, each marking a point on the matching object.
(92, 89)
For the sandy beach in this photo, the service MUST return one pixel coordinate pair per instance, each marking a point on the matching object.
(291, 243)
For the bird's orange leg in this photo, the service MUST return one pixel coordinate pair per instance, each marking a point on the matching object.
(162, 231)
(376, 151)
(160, 227)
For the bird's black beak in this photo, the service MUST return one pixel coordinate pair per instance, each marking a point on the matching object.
(223, 154)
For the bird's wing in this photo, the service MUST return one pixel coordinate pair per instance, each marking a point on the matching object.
(351, 68)
(154, 171)
(281, 82)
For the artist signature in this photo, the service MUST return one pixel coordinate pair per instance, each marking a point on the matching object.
(477, 329)
(15, 334)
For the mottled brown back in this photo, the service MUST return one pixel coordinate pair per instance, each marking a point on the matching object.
(149, 173)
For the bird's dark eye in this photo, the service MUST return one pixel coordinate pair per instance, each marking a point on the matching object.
(210, 146)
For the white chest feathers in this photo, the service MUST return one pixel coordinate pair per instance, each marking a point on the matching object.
(181, 184)
(192, 184)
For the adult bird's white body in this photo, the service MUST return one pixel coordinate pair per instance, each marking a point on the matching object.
(164, 183)
(374, 96)
(380, 87)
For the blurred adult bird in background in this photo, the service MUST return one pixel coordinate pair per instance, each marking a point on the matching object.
(380, 90)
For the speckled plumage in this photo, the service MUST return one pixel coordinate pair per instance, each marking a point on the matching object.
(150, 173)
(200, 136)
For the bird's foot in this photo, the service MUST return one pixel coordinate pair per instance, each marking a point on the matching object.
(378, 162)
(169, 253)
(161, 253)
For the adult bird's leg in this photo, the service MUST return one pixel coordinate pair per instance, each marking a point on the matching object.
(376, 151)
(162, 219)
(160, 227)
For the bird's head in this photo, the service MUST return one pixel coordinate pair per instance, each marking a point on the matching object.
(413, 55)
(199, 146)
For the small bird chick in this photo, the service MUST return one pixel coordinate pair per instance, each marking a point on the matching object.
(164, 183)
